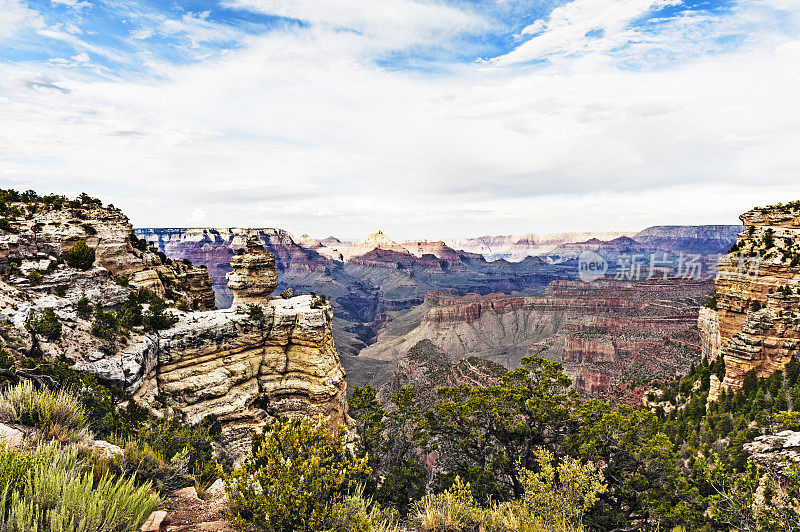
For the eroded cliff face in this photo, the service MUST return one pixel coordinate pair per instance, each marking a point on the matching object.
(240, 365)
(245, 370)
(756, 324)
(610, 335)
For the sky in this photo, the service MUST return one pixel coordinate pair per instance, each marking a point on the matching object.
(424, 118)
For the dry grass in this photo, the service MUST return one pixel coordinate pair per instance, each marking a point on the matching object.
(57, 415)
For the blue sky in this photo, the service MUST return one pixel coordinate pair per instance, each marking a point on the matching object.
(424, 118)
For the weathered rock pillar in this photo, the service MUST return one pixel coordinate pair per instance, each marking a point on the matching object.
(254, 276)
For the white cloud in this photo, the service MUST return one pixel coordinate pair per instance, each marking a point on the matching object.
(387, 24)
(15, 16)
(197, 216)
(566, 29)
(77, 4)
(299, 129)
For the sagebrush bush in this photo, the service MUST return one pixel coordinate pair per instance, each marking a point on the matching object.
(58, 415)
(295, 478)
(142, 463)
(358, 513)
(56, 494)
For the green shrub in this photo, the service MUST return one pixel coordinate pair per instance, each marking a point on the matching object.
(35, 277)
(255, 312)
(5, 225)
(58, 415)
(146, 465)
(554, 500)
(105, 324)
(156, 318)
(122, 280)
(55, 494)
(45, 324)
(80, 256)
(84, 307)
(296, 478)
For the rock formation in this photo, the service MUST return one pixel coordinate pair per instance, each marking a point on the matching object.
(254, 276)
(244, 370)
(608, 334)
(239, 365)
(755, 325)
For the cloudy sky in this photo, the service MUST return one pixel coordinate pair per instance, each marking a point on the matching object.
(425, 118)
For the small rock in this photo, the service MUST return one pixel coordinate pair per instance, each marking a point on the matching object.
(287, 294)
(107, 450)
(154, 522)
(187, 493)
(11, 437)
(217, 489)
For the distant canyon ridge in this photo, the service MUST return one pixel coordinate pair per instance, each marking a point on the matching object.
(388, 297)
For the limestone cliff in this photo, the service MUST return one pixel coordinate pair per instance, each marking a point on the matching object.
(239, 364)
(244, 370)
(756, 323)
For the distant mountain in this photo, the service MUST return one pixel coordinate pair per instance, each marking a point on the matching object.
(516, 247)
(703, 239)
(377, 275)
(366, 279)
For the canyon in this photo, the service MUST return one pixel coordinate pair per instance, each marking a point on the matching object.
(612, 337)
(388, 296)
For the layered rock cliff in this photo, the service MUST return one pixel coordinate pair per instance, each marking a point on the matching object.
(244, 369)
(610, 335)
(242, 364)
(754, 324)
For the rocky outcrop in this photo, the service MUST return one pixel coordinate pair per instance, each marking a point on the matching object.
(710, 339)
(240, 365)
(244, 371)
(254, 276)
(58, 229)
(43, 232)
(756, 325)
(779, 451)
